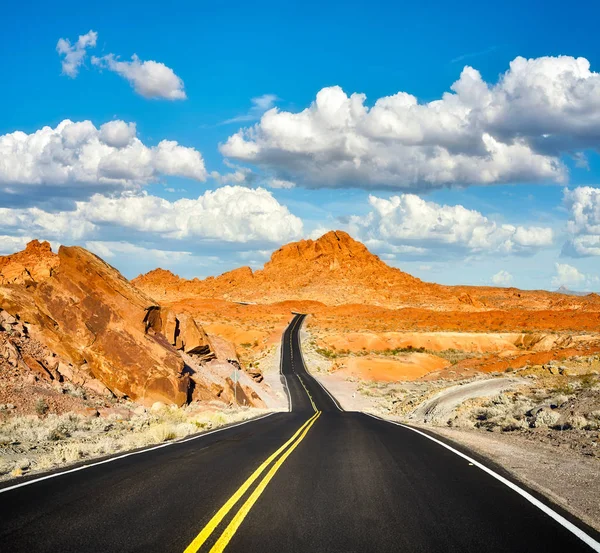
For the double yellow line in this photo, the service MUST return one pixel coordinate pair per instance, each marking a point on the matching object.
(307, 392)
(283, 453)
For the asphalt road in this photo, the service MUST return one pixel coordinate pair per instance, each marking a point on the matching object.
(316, 479)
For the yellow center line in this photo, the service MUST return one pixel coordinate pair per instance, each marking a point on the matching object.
(307, 392)
(237, 520)
(222, 512)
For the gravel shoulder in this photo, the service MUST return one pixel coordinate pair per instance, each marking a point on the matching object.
(565, 477)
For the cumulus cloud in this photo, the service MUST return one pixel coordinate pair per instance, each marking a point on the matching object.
(150, 79)
(228, 214)
(583, 227)
(513, 130)
(242, 176)
(75, 154)
(570, 277)
(502, 278)
(73, 55)
(260, 105)
(109, 249)
(37, 222)
(409, 224)
(11, 244)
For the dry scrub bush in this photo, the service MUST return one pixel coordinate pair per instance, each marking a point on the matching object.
(163, 432)
(510, 424)
(577, 422)
(546, 418)
(56, 440)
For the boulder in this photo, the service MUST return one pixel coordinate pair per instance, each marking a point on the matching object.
(170, 326)
(37, 367)
(6, 318)
(193, 338)
(94, 385)
(88, 412)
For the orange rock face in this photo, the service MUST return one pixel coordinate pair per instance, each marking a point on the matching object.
(87, 312)
(336, 270)
(34, 264)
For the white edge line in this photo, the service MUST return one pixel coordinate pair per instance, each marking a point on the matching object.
(281, 346)
(536, 502)
(111, 459)
(335, 401)
(287, 390)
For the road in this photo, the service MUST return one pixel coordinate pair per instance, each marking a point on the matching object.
(316, 479)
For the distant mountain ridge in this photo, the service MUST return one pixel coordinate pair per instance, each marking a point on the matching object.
(336, 269)
(568, 292)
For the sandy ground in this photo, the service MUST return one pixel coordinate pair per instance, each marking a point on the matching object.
(408, 367)
(471, 342)
(435, 341)
(269, 365)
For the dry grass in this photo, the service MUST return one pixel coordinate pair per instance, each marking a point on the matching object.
(37, 443)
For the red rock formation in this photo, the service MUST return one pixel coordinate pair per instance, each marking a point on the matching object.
(338, 270)
(33, 264)
(87, 312)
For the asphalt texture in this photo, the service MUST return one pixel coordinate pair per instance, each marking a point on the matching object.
(350, 483)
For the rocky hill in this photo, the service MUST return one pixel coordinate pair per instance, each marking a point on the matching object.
(338, 270)
(335, 269)
(96, 328)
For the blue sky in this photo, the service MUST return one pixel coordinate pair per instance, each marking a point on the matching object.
(468, 189)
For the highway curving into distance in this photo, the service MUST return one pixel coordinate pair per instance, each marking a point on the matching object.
(316, 479)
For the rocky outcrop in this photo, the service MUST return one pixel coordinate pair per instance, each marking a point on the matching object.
(34, 264)
(88, 313)
(180, 329)
(335, 270)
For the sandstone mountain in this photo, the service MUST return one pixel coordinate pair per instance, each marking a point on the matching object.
(104, 333)
(336, 270)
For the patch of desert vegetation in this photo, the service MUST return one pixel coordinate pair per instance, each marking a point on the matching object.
(556, 403)
(44, 441)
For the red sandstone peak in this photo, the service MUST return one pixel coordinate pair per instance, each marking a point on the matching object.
(334, 268)
(30, 266)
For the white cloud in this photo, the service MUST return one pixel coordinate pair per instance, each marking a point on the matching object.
(37, 222)
(242, 176)
(110, 249)
(280, 183)
(118, 133)
(74, 54)
(408, 224)
(78, 153)
(260, 105)
(511, 131)
(502, 278)
(568, 276)
(583, 227)
(228, 214)
(150, 79)
(11, 244)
